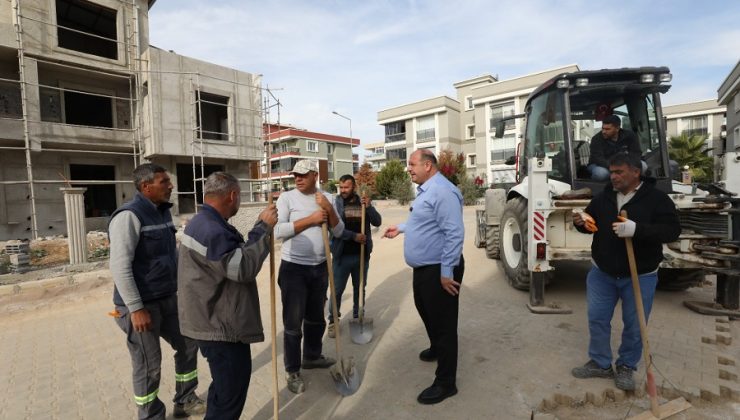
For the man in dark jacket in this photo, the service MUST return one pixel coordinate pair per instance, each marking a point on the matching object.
(611, 140)
(143, 263)
(219, 304)
(346, 249)
(651, 221)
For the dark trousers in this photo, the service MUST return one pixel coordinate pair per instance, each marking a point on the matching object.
(344, 266)
(438, 310)
(146, 356)
(231, 369)
(303, 293)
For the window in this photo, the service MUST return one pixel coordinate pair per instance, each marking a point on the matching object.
(212, 116)
(425, 129)
(696, 126)
(737, 102)
(10, 100)
(186, 198)
(329, 148)
(88, 109)
(544, 132)
(330, 166)
(399, 154)
(100, 200)
(312, 146)
(469, 102)
(470, 131)
(283, 147)
(471, 161)
(395, 131)
(503, 148)
(499, 111)
(87, 27)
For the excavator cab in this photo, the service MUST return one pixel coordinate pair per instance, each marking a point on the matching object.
(564, 114)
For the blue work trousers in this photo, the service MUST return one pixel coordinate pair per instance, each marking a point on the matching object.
(603, 291)
(231, 370)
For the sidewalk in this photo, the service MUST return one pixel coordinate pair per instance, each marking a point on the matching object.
(63, 357)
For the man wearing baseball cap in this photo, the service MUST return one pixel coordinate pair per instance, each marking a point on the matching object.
(303, 275)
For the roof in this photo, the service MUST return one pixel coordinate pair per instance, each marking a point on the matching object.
(311, 135)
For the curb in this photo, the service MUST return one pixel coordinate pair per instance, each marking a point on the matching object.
(56, 285)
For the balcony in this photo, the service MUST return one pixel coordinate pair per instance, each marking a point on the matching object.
(701, 132)
(391, 138)
(290, 151)
(423, 136)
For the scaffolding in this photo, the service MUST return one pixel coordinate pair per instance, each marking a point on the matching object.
(138, 75)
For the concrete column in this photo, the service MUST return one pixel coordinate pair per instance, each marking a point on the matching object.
(74, 206)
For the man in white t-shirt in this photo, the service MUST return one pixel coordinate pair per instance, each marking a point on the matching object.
(303, 275)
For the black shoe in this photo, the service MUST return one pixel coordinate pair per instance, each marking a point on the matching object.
(592, 370)
(428, 355)
(435, 394)
(322, 362)
(623, 379)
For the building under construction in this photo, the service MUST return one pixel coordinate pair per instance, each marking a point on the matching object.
(84, 98)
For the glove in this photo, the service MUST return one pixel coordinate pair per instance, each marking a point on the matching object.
(590, 223)
(625, 228)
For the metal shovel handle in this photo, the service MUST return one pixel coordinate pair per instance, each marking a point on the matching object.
(330, 270)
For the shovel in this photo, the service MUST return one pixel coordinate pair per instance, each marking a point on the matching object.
(361, 330)
(656, 411)
(345, 375)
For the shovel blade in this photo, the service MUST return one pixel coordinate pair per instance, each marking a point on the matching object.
(346, 377)
(361, 330)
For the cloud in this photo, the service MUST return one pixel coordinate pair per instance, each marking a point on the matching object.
(364, 57)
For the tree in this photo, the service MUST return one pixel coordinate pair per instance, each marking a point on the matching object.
(393, 171)
(403, 191)
(691, 151)
(366, 177)
(452, 166)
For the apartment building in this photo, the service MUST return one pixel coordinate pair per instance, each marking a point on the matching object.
(702, 118)
(84, 98)
(728, 95)
(290, 144)
(465, 124)
(375, 155)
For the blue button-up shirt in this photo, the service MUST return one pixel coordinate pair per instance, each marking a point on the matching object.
(434, 230)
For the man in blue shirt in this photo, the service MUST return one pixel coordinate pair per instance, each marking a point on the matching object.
(433, 248)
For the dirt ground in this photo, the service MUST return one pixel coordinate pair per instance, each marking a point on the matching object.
(51, 254)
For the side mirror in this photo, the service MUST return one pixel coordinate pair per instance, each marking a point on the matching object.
(511, 160)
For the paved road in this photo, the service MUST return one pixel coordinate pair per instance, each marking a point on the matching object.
(64, 358)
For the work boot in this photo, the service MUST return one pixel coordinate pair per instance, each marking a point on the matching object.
(428, 355)
(330, 330)
(191, 407)
(322, 362)
(592, 370)
(623, 379)
(295, 382)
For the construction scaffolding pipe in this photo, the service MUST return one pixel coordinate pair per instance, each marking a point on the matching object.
(74, 206)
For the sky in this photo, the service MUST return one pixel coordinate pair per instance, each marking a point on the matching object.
(360, 57)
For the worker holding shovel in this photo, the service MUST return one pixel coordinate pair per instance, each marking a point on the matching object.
(434, 234)
(652, 221)
(347, 249)
(303, 276)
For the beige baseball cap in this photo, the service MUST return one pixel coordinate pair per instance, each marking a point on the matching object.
(305, 166)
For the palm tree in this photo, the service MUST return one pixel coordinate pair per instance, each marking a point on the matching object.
(692, 151)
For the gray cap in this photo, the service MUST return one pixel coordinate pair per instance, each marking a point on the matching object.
(305, 166)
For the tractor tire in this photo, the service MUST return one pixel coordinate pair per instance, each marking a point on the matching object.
(493, 250)
(513, 242)
(679, 279)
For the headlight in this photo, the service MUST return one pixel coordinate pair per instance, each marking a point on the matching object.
(665, 77)
(647, 78)
(563, 83)
(581, 81)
